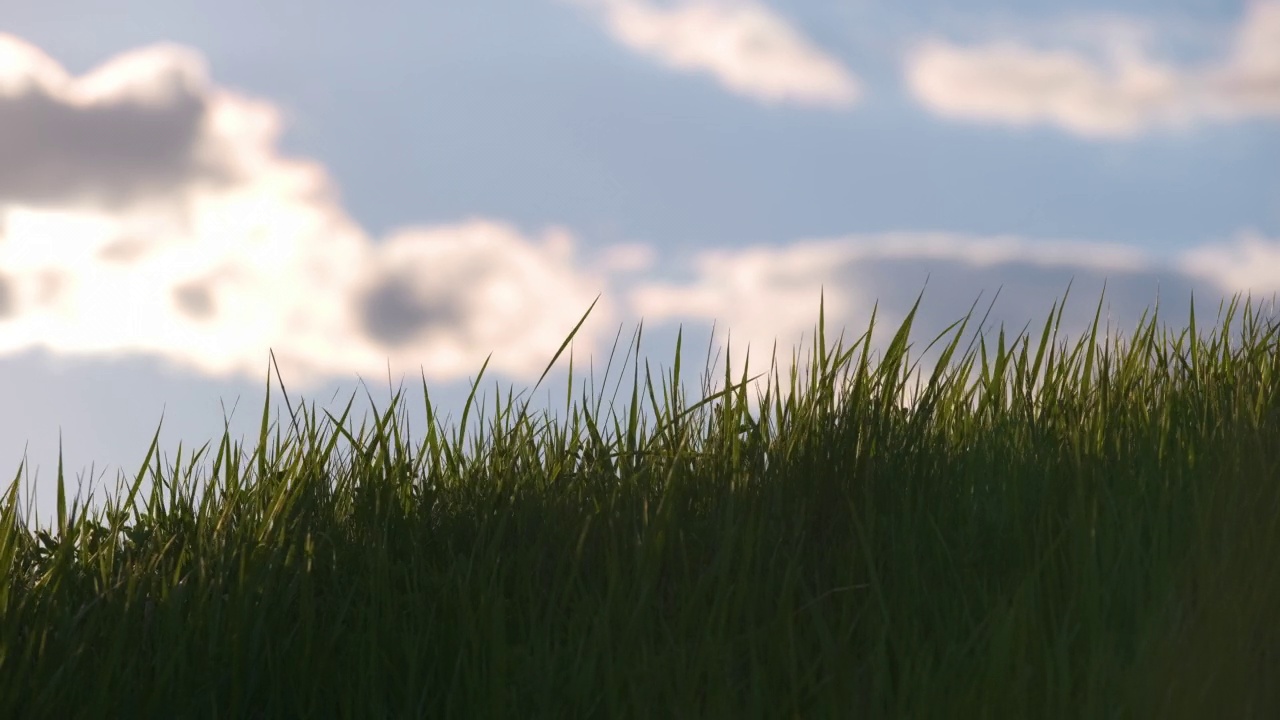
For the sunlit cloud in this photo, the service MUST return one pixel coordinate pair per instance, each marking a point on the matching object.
(745, 46)
(145, 210)
(210, 247)
(1249, 261)
(1121, 95)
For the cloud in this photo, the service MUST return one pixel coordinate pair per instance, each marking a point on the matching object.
(217, 248)
(747, 48)
(131, 129)
(760, 296)
(1248, 261)
(1009, 82)
(144, 210)
(1247, 83)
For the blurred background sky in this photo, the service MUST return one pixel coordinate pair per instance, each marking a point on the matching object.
(390, 191)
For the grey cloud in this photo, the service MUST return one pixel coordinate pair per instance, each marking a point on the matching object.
(1027, 291)
(780, 297)
(395, 313)
(8, 307)
(111, 153)
(195, 300)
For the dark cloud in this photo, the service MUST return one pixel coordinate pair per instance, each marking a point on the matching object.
(1026, 293)
(110, 153)
(394, 313)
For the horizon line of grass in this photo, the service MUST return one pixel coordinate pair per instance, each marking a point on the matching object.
(709, 391)
(1083, 533)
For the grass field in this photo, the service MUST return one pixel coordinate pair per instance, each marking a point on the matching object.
(1048, 531)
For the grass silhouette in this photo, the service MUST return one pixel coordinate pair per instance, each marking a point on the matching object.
(1046, 531)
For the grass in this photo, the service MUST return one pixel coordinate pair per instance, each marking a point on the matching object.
(1048, 531)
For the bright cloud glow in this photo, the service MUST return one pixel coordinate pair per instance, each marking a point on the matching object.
(749, 49)
(207, 247)
(144, 210)
(1009, 82)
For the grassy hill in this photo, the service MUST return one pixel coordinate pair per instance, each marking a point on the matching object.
(1042, 531)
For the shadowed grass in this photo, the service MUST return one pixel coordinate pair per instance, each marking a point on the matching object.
(1045, 531)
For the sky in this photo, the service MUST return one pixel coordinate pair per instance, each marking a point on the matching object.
(387, 193)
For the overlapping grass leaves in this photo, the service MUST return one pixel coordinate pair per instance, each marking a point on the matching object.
(1041, 531)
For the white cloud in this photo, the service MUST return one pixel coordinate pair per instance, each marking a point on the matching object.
(1248, 82)
(1250, 261)
(145, 210)
(748, 48)
(209, 248)
(1010, 82)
